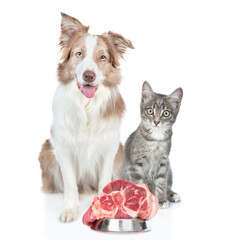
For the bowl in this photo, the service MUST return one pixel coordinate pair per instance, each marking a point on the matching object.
(121, 225)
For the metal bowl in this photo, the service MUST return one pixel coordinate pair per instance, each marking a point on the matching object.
(121, 225)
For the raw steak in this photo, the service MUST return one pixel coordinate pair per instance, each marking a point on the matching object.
(122, 199)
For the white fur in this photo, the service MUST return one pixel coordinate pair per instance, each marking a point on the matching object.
(176, 197)
(88, 63)
(164, 205)
(85, 144)
(158, 132)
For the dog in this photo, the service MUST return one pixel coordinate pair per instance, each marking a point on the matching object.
(84, 146)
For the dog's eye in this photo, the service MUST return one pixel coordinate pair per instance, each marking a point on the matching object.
(79, 54)
(103, 57)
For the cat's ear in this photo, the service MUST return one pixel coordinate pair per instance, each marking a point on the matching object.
(147, 91)
(176, 97)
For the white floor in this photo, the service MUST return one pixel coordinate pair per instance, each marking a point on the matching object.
(36, 217)
(161, 224)
(185, 220)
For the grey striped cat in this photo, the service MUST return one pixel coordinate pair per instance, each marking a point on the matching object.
(146, 156)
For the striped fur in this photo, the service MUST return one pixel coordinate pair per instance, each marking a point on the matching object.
(146, 156)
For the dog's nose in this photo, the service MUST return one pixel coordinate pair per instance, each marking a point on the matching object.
(89, 76)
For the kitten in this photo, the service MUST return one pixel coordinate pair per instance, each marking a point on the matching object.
(146, 156)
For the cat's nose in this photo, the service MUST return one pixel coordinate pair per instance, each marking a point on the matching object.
(156, 122)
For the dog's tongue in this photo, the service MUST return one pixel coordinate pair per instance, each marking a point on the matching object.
(88, 91)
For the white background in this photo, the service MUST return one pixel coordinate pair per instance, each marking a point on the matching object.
(184, 44)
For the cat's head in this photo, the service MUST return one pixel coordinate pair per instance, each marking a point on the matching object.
(158, 111)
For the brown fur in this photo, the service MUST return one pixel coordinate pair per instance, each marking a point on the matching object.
(116, 108)
(70, 28)
(117, 46)
(69, 61)
(118, 160)
(113, 56)
(120, 43)
(48, 165)
(112, 77)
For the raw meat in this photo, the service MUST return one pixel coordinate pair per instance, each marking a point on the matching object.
(122, 199)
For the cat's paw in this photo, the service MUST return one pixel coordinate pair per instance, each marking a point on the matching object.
(68, 215)
(164, 204)
(175, 197)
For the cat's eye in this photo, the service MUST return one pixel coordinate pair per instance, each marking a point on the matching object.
(150, 111)
(166, 113)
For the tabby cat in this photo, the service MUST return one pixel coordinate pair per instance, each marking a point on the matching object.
(146, 156)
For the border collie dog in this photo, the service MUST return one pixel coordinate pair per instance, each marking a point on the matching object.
(84, 146)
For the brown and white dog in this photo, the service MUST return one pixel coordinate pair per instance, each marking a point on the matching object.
(87, 112)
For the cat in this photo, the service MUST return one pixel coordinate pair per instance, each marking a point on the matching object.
(146, 155)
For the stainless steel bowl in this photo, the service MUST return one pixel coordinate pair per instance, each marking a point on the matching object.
(121, 225)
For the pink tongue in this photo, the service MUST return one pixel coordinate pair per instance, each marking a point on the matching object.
(88, 91)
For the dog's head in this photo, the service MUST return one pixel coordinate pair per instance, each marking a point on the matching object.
(90, 60)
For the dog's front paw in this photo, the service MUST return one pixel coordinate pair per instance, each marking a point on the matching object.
(68, 215)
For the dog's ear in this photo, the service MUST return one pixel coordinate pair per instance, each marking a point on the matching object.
(70, 27)
(119, 43)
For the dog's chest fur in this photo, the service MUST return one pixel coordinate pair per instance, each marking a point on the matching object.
(80, 129)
